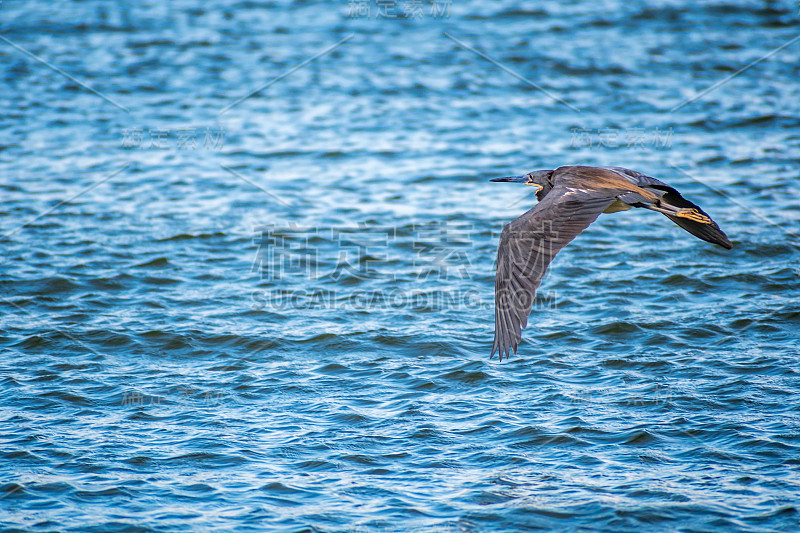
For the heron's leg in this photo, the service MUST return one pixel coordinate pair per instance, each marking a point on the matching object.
(682, 212)
(634, 199)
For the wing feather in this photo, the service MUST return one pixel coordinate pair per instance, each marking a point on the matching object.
(528, 245)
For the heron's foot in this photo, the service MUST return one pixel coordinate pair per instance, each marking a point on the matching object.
(693, 214)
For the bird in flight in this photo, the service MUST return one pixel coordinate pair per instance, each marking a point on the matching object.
(571, 198)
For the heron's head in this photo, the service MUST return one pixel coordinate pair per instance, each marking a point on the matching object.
(538, 178)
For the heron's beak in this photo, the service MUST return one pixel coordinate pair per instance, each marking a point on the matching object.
(515, 179)
(518, 179)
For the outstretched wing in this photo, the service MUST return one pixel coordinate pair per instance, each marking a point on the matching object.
(528, 245)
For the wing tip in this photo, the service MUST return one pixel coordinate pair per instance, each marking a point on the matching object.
(503, 350)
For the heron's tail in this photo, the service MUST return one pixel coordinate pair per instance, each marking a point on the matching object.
(690, 217)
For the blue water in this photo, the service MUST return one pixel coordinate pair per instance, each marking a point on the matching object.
(247, 267)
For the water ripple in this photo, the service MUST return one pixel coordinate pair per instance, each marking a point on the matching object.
(302, 344)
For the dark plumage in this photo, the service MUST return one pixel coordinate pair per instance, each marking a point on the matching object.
(571, 198)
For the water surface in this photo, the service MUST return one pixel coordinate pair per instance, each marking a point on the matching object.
(245, 291)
